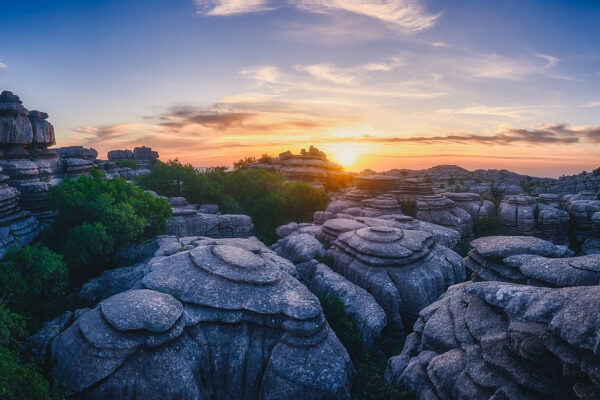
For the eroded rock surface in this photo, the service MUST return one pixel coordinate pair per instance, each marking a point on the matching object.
(495, 340)
(218, 318)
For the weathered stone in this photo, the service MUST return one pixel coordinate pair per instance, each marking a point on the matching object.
(222, 320)
(442, 211)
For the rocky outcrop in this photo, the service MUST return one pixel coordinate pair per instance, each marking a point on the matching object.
(17, 227)
(523, 215)
(376, 185)
(219, 318)
(385, 204)
(359, 305)
(143, 156)
(499, 258)
(473, 204)
(581, 208)
(403, 270)
(300, 247)
(77, 160)
(440, 210)
(196, 220)
(495, 340)
(310, 166)
(591, 245)
(409, 189)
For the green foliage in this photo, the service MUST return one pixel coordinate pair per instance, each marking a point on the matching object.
(442, 186)
(493, 199)
(266, 197)
(427, 179)
(409, 208)
(495, 191)
(244, 162)
(127, 164)
(452, 181)
(463, 247)
(477, 180)
(486, 226)
(369, 381)
(575, 243)
(596, 172)
(335, 183)
(96, 217)
(29, 278)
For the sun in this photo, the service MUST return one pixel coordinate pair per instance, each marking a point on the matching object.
(344, 154)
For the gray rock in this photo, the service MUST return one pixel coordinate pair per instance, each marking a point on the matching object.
(403, 270)
(503, 341)
(222, 320)
(299, 248)
(442, 211)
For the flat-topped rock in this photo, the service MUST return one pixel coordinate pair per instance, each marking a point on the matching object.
(473, 204)
(333, 228)
(442, 211)
(376, 184)
(499, 258)
(410, 188)
(494, 340)
(404, 270)
(381, 205)
(179, 324)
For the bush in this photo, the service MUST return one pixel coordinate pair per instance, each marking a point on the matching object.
(409, 208)
(96, 217)
(266, 197)
(493, 199)
(452, 181)
(29, 278)
(369, 382)
(463, 247)
(486, 226)
(127, 164)
(244, 162)
(596, 172)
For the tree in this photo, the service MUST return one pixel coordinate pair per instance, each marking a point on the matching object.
(244, 162)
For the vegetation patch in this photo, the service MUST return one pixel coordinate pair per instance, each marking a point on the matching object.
(486, 226)
(127, 164)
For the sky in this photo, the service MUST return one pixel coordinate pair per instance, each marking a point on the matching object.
(376, 84)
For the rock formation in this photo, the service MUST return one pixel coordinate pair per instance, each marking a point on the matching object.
(204, 220)
(495, 340)
(473, 204)
(143, 155)
(498, 258)
(409, 189)
(591, 245)
(17, 227)
(220, 318)
(310, 166)
(403, 270)
(442, 211)
(376, 185)
(523, 215)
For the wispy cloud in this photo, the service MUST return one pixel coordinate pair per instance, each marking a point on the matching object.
(3, 66)
(333, 73)
(496, 66)
(591, 104)
(231, 7)
(544, 134)
(404, 15)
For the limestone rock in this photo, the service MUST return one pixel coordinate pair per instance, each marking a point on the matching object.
(403, 270)
(299, 248)
(495, 340)
(359, 305)
(410, 188)
(220, 320)
(498, 258)
(15, 127)
(376, 184)
(442, 211)
(473, 204)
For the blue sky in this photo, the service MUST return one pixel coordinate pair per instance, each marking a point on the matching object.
(376, 83)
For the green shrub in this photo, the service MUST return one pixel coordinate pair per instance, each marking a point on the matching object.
(97, 217)
(244, 162)
(486, 226)
(409, 208)
(442, 186)
(596, 172)
(29, 278)
(493, 199)
(266, 197)
(452, 181)
(369, 382)
(463, 247)
(127, 164)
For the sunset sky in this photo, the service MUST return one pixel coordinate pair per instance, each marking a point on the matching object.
(374, 83)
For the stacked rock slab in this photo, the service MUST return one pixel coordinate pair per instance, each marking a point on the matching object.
(410, 188)
(403, 270)
(497, 340)
(591, 245)
(442, 211)
(473, 204)
(17, 227)
(523, 259)
(222, 320)
(310, 166)
(581, 208)
(143, 155)
(376, 185)
(77, 160)
(385, 204)
(193, 220)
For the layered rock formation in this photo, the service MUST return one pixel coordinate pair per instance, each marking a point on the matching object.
(143, 156)
(442, 211)
(376, 185)
(495, 340)
(591, 245)
(310, 166)
(499, 258)
(523, 215)
(204, 220)
(473, 204)
(17, 227)
(403, 270)
(409, 189)
(217, 319)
